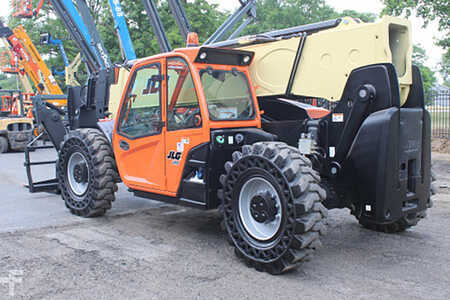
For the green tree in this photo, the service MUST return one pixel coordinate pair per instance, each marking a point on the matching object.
(428, 10)
(419, 58)
(279, 14)
(365, 17)
(7, 82)
(204, 19)
(445, 68)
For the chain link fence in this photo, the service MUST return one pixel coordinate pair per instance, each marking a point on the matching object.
(438, 104)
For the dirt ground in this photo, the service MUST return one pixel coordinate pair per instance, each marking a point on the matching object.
(143, 249)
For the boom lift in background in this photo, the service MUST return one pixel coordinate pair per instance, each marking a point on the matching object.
(10, 65)
(25, 8)
(9, 61)
(189, 130)
(71, 69)
(30, 59)
(47, 39)
(126, 45)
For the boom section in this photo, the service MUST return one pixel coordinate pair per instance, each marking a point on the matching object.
(126, 44)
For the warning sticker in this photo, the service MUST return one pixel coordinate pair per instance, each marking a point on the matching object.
(338, 117)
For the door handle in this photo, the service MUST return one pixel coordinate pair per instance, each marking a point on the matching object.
(124, 145)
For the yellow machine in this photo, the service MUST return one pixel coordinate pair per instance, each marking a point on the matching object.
(15, 129)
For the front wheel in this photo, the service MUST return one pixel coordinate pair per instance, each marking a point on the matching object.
(271, 200)
(87, 173)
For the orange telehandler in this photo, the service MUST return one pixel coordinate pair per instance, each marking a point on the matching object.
(192, 130)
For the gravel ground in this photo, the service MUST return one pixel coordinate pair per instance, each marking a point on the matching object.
(145, 250)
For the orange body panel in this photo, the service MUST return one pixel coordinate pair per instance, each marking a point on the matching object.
(144, 166)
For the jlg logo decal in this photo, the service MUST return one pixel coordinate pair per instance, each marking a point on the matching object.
(174, 155)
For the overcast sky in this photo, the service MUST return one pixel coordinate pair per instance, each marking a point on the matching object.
(424, 37)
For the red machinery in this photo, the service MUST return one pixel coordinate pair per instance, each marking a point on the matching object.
(24, 8)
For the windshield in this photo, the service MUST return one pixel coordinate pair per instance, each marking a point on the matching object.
(227, 94)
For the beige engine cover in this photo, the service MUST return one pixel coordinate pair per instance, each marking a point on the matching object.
(330, 55)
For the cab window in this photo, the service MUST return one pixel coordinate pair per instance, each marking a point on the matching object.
(227, 94)
(183, 110)
(141, 111)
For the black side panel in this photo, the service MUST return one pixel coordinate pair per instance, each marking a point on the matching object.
(168, 199)
(195, 191)
(279, 109)
(51, 118)
(354, 109)
(283, 118)
(286, 131)
(80, 116)
(107, 127)
(389, 166)
(416, 96)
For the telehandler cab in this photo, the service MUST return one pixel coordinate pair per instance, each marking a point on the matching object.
(191, 130)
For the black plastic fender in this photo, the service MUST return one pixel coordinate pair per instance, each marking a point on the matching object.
(390, 164)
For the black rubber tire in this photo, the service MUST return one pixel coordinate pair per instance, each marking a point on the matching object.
(303, 215)
(97, 151)
(406, 222)
(4, 145)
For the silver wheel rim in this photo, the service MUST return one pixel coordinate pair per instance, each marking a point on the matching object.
(260, 231)
(78, 188)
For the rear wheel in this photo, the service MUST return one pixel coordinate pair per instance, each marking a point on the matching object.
(271, 202)
(87, 173)
(4, 145)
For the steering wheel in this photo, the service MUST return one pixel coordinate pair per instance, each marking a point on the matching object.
(188, 116)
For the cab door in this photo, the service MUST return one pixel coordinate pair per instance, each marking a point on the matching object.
(139, 139)
(185, 129)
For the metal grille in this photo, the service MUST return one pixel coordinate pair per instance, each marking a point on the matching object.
(438, 104)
